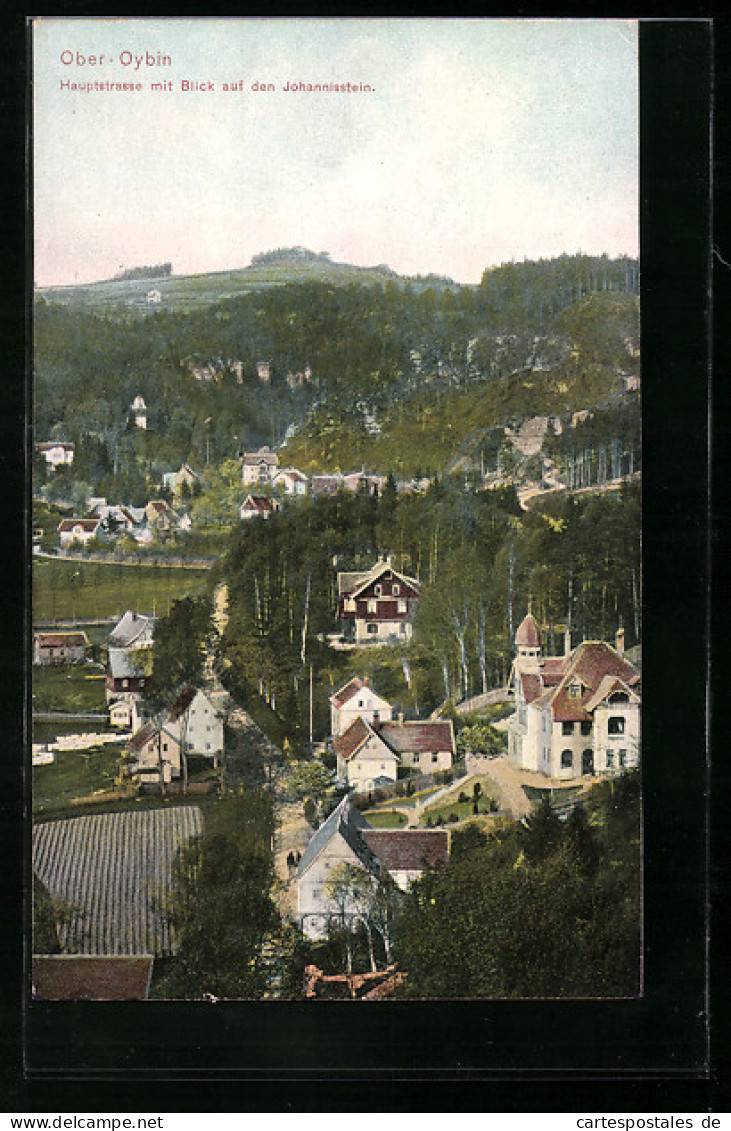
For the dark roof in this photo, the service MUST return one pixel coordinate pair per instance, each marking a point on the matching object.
(347, 691)
(528, 634)
(347, 821)
(259, 503)
(144, 734)
(532, 686)
(409, 849)
(352, 739)
(180, 705)
(81, 977)
(417, 737)
(61, 639)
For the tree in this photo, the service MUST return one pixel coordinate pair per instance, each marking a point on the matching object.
(352, 892)
(220, 905)
(180, 638)
(309, 779)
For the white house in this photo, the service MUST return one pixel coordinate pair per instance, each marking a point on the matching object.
(258, 467)
(290, 480)
(258, 506)
(371, 754)
(364, 760)
(77, 531)
(575, 714)
(190, 725)
(57, 453)
(139, 410)
(154, 297)
(357, 698)
(347, 838)
(132, 630)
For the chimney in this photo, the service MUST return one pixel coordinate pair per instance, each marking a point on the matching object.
(401, 718)
(367, 681)
(567, 642)
(619, 643)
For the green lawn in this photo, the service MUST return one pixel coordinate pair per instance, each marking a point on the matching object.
(384, 818)
(91, 590)
(68, 687)
(462, 809)
(75, 773)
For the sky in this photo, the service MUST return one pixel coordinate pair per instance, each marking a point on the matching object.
(479, 142)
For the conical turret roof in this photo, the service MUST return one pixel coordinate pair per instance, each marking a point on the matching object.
(528, 634)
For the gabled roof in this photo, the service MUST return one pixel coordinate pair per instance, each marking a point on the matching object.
(123, 665)
(264, 455)
(142, 736)
(531, 685)
(260, 503)
(181, 703)
(61, 639)
(417, 737)
(408, 849)
(346, 821)
(351, 740)
(85, 977)
(347, 691)
(608, 685)
(292, 472)
(67, 525)
(130, 627)
(588, 665)
(353, 584)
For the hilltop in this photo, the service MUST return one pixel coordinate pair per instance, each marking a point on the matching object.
(282, 267)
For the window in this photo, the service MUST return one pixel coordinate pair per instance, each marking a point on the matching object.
(417, 757)
(623, 757)
(435, 757)
(610, 759)
(378, 591)
(616, 724)
(315, 893)
(372, 628)
(567, 760)
(619, 697)
(567, 728)
(395, 589)
(125, 683)
(401, 606)
(574, 691)
(586, 726)
(165, 747)
(372, 606)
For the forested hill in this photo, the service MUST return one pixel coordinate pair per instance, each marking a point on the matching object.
(393, 374)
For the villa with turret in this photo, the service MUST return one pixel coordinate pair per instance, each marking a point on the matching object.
(576, 714)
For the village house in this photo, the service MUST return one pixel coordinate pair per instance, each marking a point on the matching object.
(177, 482)
(259, 468)
(327, 484)
(290, 481)
(132, 630)
(114, 519)
(59, 648)
(57, 453)
(128, 673)
(127, 713)
(347, 838)
(258, 506)
(357, 698)
(77, 531)
(575, 714)
(361, 481)
(160, 517)
(372, 754)
(191, 725)
(153, 297)
(377, 605)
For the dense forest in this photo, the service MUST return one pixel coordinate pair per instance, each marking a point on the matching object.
(393, 364)
(480, 559)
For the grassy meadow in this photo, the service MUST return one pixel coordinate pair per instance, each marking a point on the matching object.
(74, 590)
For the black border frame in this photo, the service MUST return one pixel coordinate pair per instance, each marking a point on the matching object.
(657, 1044)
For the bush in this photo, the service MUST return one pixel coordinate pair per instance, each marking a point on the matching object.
(453, 817)
(462, 797)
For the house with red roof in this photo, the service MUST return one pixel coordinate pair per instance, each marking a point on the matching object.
(377, 606)
(59, 647)
(347, 838)
(77, 531)
(371, 754)
(357, 698)
(258, 506)
(576, 714)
